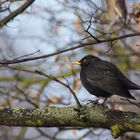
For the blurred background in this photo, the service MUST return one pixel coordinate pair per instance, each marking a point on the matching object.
(53, 25)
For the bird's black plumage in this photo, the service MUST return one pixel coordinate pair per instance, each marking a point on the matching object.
(103, 79)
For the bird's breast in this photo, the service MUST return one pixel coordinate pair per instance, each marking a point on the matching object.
(84, 76)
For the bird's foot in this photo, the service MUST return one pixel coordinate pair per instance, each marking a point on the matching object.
(91, 102)
(103, 104)
(96, 102)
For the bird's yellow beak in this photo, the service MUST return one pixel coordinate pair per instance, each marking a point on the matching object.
(76, 62)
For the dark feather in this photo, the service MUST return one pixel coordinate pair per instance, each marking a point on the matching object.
(102, 78)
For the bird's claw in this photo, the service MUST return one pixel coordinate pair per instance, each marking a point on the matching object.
(96, 102)
(91, 102)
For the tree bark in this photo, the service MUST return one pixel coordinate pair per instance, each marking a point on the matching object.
(15, 13)
(88, 116)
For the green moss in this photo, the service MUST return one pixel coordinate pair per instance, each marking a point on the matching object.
(40, 112)
(116, 130)
(135, 127)
(39, 122)
(30, 123)
(98, 113)
(17, 112)
(61, 122)
(34, 122)
(78, 123)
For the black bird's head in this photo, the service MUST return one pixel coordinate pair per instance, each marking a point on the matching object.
(86, 60)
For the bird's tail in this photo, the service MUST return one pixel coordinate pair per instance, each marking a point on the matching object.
(131, 97)
(134, 87)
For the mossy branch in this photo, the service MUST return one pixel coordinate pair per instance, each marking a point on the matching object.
(88, 116)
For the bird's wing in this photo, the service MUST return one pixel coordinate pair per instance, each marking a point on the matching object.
(107, 80)
(129, 84)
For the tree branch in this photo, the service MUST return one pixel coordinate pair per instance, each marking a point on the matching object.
(88, 116)
(62, 83)
(15, 13)
(82, 45)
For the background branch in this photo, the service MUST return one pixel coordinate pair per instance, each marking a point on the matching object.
(68, 49)
(62, 83)
(16, 12)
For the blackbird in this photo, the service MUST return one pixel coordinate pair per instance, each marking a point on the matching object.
(103, 79)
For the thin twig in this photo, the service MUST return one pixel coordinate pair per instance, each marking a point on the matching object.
(13, 14)
(60, 82)
(111, 46)
(136, 104)
(89, 26)
(27, 55)
(73, 93)
(43, 133)
(27, 98)
(82, 45)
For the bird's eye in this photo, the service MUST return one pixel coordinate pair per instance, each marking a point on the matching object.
(84, 61)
